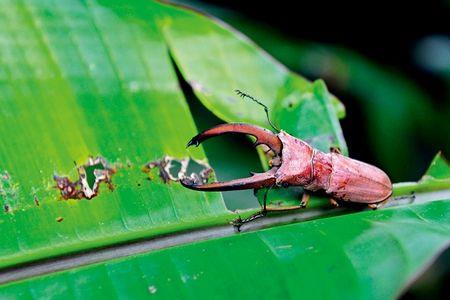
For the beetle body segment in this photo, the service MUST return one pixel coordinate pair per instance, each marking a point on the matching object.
(353, 180)
(341, 177)
(296, 161)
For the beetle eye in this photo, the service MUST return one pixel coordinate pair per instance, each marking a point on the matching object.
(285, 184)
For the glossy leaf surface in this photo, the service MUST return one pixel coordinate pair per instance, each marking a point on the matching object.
(82, 79)
(370, 255)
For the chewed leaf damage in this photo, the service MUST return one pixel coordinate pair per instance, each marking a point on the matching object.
(172, 169)
(8, 191)
(91, 175)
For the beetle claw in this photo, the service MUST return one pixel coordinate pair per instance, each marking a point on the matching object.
(257, 180)
(237, 223)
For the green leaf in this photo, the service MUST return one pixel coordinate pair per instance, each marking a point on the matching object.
(214, 71)
(311, 116)
(439, 169)
(370, 255)
(83, 79)
(436, 178)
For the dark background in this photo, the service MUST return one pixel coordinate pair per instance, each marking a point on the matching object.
(385, 31)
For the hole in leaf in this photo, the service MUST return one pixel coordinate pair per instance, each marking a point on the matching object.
(172, 169)
(91, 175)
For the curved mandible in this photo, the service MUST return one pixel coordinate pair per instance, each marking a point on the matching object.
(262, 135)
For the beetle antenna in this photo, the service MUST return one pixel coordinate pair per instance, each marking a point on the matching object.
(266, 109)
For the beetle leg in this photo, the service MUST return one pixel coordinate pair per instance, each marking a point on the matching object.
(265, 197)
(257, 180)
(377, 205)
(305, 199)
(335, 150)
(333, 202)
(373, 206)
(239, 222)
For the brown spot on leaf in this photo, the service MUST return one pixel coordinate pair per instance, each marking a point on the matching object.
(91, 175)
(59, 219)
(172, 169)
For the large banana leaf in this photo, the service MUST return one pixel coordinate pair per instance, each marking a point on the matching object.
(366, 255)
(81, 79)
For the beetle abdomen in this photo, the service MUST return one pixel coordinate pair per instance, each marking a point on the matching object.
(342, 177)
(353, 180)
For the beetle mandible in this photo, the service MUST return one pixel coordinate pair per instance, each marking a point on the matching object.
(296, 163)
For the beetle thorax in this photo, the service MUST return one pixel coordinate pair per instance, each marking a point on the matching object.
(296, 156)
